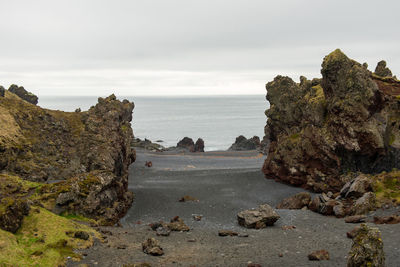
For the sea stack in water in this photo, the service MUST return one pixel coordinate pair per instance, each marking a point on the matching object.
(187, 144)
(323, 131)
(242, 143)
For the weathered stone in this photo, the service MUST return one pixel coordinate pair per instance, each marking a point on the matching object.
(199, 145)
(242, 143)
(357, 187)
(318, 255)
(392, 219)
(2, 91)
(177, 224)
(163, 231)
(258, 218)
(382, 70)
(152, 247)
(186, 143)
(227, 233)
(355, 219)
(22, 93)
(321, 129)
(297, 201)
(12, 212)
(367, 248)
(364, 204)
(339, 211)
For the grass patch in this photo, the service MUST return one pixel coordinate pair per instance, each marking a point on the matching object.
(44, 239)
(387, 186)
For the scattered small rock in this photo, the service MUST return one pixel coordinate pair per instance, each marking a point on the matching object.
(280, 255)
(138, 264)
(197, 217)
(188, 198)
(227, 233)
(392, 219)
(192, 240)
(250, 264)
(297, 201)
(355, 219)
(288, 227)
(243, 235)
(262, 217)
(367, 248)
(319, 255)
(148, 164)
(177, 224)
(163, 231)
(122, 246)
(152, 247)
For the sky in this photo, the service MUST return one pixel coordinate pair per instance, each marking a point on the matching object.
(185, 47)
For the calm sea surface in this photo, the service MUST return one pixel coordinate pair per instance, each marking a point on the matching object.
(216, 119)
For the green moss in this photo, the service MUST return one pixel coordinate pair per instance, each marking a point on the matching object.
(387, 186)
(86, 184)
(43, 240)
(392, 139)
(294, 136)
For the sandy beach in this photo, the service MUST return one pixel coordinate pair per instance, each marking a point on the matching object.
(224, 183)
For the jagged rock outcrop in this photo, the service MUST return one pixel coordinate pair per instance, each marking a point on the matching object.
(199, 145)
(187, 144)
(382, 70)
(90, 151)
(22, 93)
(242, 143)
(322, 129)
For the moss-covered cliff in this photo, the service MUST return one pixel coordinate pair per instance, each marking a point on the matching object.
(323, 129)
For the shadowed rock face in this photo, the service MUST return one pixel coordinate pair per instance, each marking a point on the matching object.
(321, 129)
(22, 93)
(90, 151)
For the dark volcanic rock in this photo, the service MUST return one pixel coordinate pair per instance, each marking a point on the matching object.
(2, 91)
(367, 248)
(90, 151)
(242, 143)
(258, 218)
(382, 70)
(199, 146)
(12, 213)
(297, 201)
(323, 129)
(186, 143)
(22, 93)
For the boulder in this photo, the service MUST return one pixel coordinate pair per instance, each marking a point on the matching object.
(323, 204)
(355, 219)
(367, 248)
(199, 145)
(258, 218)
(357, 187)
(22, 93)
(152, 247)
(297, 201)
(392, 219)
(364, 204)
(382, 70)
(242, 143)
(12, 212)
(319, 255)
(186, 143)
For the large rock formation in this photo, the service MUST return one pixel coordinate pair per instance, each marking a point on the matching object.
(90, 151)
(242, 143)
(322, 129)
(22, 93)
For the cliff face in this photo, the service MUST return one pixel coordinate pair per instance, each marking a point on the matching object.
(323, 129)
(89, 151)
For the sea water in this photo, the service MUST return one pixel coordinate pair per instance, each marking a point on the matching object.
(218, 120)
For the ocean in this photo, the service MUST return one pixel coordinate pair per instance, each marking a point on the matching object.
(218, 120)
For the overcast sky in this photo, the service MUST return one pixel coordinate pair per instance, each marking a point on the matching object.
(185, 47)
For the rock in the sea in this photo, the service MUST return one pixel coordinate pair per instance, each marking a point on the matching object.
(258, 218)
(355, 219)
(242, 143)
(22, 93)
(12, 212)
(382, 70)
(152, 247)
(297, 201)
(186, 143)
(199, 145)
(319, 255)
(320, 130)
(367, 248)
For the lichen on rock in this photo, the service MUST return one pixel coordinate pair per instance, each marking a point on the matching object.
(321, 130)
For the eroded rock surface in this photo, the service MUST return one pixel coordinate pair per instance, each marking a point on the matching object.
(258, 218)
(22, 93)
(297, 201)
(323, 129)
(89, 151)
(242, 143)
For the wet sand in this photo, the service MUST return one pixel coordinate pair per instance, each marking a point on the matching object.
(224, 183)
